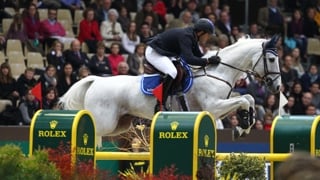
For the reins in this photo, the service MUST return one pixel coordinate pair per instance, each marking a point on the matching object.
(248, 72)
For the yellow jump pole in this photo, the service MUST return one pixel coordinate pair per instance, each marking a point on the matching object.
(123, 156)
(219, 156)
(266, 156)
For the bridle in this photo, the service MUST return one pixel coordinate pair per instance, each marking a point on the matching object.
(267, 80)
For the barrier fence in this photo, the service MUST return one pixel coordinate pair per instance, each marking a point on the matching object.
(186, 139)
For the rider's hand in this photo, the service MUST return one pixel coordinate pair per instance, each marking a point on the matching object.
(214, 60)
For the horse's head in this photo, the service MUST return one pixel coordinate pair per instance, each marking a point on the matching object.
(267, 66)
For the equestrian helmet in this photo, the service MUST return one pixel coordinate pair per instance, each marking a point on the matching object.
(205, 25)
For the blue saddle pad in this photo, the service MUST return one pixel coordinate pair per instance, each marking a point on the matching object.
(151, 81)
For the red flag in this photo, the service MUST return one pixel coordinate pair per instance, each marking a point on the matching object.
(37, 92)
(157, 92)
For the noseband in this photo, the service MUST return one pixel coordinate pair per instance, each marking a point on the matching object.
(267, 80)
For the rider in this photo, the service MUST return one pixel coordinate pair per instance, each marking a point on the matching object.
(163, 48)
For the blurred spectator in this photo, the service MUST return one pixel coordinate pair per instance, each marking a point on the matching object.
(241, 86)
(51, 29)
(287, 109)
(297, 60)
(310, 27)
(212, 17)
(56, 57)
(296, 92)
(99, 64)
(254, 31)
(300, 107)
(271, 104)
(271, 18)
(123, 68)
(145, 32)
(8, 85)
(66, 79)
(259, 125)
(315, 91)
(136, 60)
(17, 30)
(223, 41)
(115, 58)
(224, 25)
(111, 30)
(29, 105)
(233, 121)
(310, 76)
(192, 8)
(299, 166)
(149, 19)
(215, 7)
(124, 18)
(288, 74)
(48, 78)
(102, 7)
(147, 10)
(50, 98)
(258, 91)
(185, 20)
(84, 71)
(26, 81)
(205, 11)
(175, 8)
(311, 110)
(89, 31)
(160, 9)
(130, 39)
(75, 56)
(31, 24)
(295, 31)
(268, 119)
(131, 5)
(72, 5)
(236, 33)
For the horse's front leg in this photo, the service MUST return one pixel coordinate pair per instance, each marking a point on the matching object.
(252, 120)
(243, 105)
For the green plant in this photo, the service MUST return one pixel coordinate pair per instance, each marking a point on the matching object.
(15, 165)
(243, 166)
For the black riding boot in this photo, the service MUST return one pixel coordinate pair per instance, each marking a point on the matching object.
(167, 83)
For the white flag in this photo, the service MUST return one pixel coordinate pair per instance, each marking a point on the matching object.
(282, 101)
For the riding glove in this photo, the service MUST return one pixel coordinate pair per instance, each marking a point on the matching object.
(214, 60)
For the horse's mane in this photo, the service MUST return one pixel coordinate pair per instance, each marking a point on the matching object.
(241, 40)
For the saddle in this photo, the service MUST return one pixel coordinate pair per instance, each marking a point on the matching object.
(181, 84)
(182, 74)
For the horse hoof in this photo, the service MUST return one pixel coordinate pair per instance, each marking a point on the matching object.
(237, 132)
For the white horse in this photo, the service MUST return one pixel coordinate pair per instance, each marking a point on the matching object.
(114, 100)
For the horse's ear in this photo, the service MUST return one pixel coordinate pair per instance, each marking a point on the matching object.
(272, 42)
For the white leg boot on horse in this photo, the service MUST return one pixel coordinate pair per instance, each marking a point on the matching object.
(167, 84)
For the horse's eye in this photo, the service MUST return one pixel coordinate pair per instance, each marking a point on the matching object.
(271, 59)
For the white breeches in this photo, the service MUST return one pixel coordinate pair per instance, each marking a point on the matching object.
(160, 62)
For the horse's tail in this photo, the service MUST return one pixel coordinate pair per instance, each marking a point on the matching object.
(73, 99)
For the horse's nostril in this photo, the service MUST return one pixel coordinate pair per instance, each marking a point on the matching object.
(278, 88)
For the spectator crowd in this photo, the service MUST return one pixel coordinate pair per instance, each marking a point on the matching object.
(109, 37)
